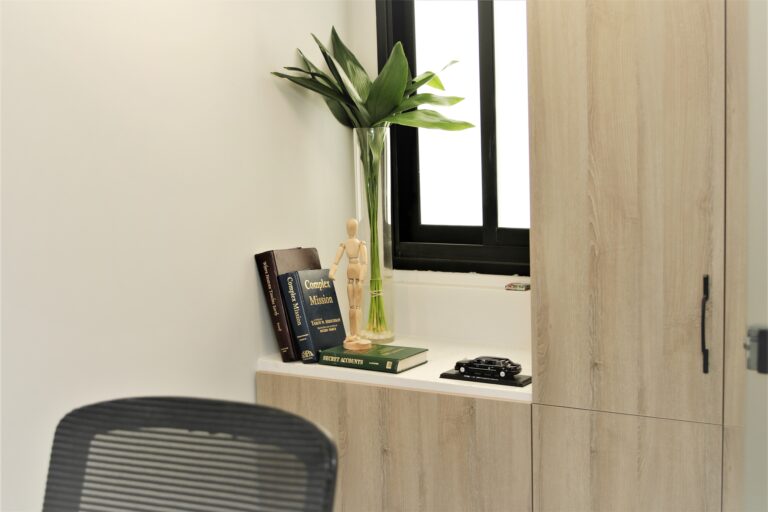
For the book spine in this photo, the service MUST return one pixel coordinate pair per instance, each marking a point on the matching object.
(290, 286)
(376, 364)
(265, 263)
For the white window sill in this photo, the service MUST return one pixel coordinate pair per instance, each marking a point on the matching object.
(465, 309)
(442, 356)
(455, 316)
(456, 279)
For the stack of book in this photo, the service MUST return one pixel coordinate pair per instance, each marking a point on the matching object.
(306, 318)
(302, 303)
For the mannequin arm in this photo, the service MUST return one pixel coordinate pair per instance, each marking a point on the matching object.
(339, 254)
(363, 261)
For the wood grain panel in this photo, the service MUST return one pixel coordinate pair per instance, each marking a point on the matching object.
(627, 195)
(736, 136)
(733, 468)
(595, 461)
(736, 211)
(407, 450)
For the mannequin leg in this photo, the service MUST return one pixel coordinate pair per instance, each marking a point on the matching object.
(354, 320)
(358, 292)
(354, 341)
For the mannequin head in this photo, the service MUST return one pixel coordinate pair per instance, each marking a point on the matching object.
(351, 228)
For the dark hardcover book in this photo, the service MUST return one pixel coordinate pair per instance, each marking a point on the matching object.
(269, 265)
(379, 358)
(313, 310)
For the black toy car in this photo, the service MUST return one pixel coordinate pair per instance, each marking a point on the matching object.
(489, 366)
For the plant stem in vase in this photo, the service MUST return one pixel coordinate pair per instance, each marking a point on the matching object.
(370, 107)
(373, 212)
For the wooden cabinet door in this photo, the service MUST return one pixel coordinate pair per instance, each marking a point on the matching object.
(405, 450)
(585, 461)
(627, 189)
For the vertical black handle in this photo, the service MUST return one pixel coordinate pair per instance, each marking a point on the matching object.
(704, 300)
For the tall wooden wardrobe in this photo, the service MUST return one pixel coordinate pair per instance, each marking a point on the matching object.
(635, 249)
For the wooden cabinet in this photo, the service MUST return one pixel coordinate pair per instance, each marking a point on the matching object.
(634, 200)
(405, 450)
(586, 461)
(627, 177)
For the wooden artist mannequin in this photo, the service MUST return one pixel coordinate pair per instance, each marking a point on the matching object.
(357, 265)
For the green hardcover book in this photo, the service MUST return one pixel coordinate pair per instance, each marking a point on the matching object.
(379, 358)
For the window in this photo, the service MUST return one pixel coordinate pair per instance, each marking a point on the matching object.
(460, 201)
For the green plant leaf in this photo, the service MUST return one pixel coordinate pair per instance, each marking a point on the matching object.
(335, 101)
(388, 88)
(352, 114)
(343, 80)
(449, 65)
(320, 77)
(302, 70)
(311, 68)
(425, 119)
(352, 67)
(436, 83)
(427, 78)
(390, 99)
(339, 112)
(425, 99)
(308, 63)
(313, 85)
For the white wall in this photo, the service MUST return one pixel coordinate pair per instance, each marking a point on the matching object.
(147, 154)
(463, 308)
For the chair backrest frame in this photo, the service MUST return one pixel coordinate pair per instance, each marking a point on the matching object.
(229, 424)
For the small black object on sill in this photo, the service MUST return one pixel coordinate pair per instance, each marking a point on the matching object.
(518, 381)
(490, 369)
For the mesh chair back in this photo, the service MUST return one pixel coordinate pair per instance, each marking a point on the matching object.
(153, 454)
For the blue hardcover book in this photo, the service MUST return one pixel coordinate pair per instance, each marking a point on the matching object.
(313, 311)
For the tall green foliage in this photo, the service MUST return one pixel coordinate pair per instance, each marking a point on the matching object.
(357, 102)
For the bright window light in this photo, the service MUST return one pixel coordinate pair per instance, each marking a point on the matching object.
(449, 162)
(511, 51)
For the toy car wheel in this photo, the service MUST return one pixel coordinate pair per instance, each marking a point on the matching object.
(502, 374)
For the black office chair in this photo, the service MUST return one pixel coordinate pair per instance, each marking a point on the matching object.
(153, 454)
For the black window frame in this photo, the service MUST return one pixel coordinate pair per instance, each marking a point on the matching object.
(486, 249)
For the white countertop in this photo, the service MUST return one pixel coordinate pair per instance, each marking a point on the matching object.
(442, 356)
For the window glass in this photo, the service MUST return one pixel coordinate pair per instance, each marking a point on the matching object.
(449, 162)
(511, 52)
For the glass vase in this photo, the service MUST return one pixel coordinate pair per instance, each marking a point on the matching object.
(373, 212)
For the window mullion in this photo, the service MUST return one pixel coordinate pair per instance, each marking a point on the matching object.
(488, 121)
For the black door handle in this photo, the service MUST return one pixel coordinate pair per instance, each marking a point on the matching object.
(704, 300)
